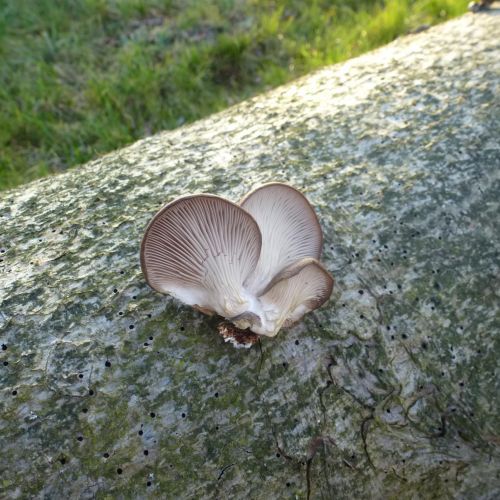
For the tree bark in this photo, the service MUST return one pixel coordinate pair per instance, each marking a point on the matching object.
(111, 390)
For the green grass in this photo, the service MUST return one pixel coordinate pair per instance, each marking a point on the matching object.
(79, 78)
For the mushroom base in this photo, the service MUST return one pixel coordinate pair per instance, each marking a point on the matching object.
(239, 338)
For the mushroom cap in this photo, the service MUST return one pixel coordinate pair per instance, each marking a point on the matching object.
(290, 230)
(201, 249)
(296, 290)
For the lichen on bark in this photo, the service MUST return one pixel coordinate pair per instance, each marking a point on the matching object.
(110, 390)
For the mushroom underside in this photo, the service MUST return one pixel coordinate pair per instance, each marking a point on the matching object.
(290, 231)
(297, 290)
(201, 249)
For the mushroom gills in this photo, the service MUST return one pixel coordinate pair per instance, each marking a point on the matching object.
(295, 291)
(290, 231)
(201, 249)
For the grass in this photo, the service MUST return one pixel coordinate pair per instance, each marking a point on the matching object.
(79, 78)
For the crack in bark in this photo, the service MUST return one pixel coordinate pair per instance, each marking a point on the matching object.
(224, 469)
(312, 449)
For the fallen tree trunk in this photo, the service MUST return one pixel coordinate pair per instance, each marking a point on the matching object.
(390, 390)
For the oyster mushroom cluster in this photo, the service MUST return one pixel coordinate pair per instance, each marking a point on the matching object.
(256, 263)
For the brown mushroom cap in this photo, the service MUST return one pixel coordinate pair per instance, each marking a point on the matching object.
(290, 230)
(302, 287)
(201, 249)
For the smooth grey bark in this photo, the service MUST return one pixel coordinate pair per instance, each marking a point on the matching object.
(390, 390)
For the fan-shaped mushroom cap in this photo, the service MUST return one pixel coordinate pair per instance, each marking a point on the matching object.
(201, 249)
(298, 289)
(290, 230)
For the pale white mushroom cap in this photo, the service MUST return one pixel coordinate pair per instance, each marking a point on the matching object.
(297, 290)
(290, 230)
